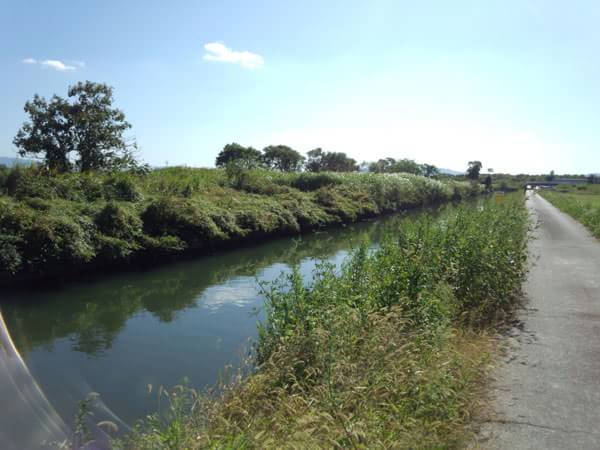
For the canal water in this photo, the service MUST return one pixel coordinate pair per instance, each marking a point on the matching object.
(118, 334)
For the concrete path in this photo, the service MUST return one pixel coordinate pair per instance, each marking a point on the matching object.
(547, 390)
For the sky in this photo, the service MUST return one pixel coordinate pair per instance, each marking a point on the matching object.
(514, 84)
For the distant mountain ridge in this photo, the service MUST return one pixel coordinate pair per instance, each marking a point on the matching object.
(10, 161)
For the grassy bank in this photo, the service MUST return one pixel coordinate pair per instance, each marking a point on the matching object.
(59, 225)
(389, 352)
(580, 202)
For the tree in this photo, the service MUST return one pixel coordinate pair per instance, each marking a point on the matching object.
(382, 165)
(83, 131)
(320, 161)
(487, 182)
(473, 170)
(429, 170)
(244, 157)
(282, 157)
(550, 177)
(406, 166)
(391, 165)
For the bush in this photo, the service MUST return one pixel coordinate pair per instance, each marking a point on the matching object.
(23, 182)
(10, 257)
(122, 186)
(54, 243)
(116, 221)
(308, 182)
(181, 218)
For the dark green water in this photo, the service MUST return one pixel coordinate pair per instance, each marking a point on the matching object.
(117, 334)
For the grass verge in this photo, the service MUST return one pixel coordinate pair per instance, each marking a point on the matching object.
(389, 352)
(581, 202)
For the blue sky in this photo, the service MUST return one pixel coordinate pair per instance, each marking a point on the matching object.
(515, 84)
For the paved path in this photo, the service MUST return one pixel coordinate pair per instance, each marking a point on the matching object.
(547, 390)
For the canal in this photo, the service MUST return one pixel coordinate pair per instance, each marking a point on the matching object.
(119, 334)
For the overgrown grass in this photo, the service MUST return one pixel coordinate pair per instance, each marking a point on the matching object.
(580, 202)
(388, 352)
(57, 225)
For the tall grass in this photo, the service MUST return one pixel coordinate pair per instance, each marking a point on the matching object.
(61, 224)
(388, 352)
(581, 204)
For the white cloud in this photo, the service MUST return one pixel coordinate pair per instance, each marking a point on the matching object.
(217, 51)
(55, 64)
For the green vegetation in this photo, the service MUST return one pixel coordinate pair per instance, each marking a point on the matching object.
(473, 170)
(582, 202)
(388, 353)
(60, 224)
(391, 165)
(84, 133)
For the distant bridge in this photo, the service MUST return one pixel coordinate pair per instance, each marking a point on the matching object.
(557, 181)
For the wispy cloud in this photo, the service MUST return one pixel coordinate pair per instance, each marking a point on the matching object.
(217, 51)
(55, 64)
(80, 64)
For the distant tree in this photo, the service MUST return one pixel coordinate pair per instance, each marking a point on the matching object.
(282, 157)
(83, 132)
(592, 179)
(406, 166)
(473, 170)
(320, 161)
(550, 176)
(487, 182)
(382, 165)
(391, 165)
(429, 170)
(243, 157)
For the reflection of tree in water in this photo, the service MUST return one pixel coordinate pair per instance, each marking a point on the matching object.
(92, 314)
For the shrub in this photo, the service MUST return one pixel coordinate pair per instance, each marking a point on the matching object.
(52, 243)
(115, 249)
(181, 218)
(24, 182)
(312, 181)
(10, 257)
(117, 221)
(122, 186)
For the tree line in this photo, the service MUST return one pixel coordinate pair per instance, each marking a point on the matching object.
(286, 159)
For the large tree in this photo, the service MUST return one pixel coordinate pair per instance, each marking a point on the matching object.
(244, 157)
(473, 170)
(282, 157)
(320, 161)
(83, 131)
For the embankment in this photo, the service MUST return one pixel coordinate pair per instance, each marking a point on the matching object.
(59, 226)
